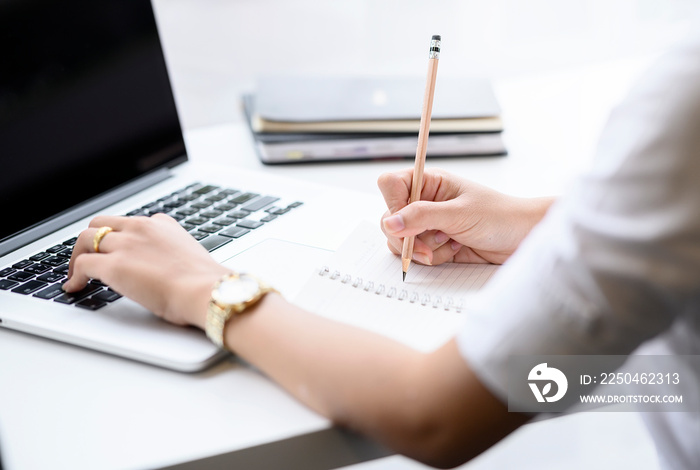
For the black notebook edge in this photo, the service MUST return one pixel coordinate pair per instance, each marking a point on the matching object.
(260, 139)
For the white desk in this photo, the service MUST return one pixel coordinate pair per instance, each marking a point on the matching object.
(64, 407)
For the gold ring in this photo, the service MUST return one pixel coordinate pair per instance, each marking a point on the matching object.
(99, 235)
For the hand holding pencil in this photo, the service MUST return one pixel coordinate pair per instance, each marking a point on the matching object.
(417, 184)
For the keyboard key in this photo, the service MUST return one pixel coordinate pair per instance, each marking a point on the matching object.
(205, 189)
(66, 253)
(295, 204)
(91, 303)
(7, 284)
(216, 197)
(268, 218)
(7, 272)
(225, 206)
(189, 197)
(40, 256)
(107, 296)
(67, 298)
(245, 197)
(37, 269)
(50, 292)
(174, 204)
(247, 223)
(234, 232)
(197, 221)
(22, 264)
(259, 203)
(210, 214)
(20, 276)
(224, 221)
(238, 214)
(55, 261)
(63, 269)
(51, 277)
(56, 249)
(70, 241)
(199, 235)
(209, 228)
(187, 211)
(29, 287)
(201, 204)
(213, 242)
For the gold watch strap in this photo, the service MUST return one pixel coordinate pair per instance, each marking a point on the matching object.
(216, 321)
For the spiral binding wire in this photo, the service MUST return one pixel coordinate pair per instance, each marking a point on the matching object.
(392, 292)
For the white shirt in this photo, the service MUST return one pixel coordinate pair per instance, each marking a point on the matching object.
(615, 264)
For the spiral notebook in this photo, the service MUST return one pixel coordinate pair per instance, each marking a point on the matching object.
(361, 285)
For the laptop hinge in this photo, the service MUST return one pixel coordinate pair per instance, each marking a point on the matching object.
(89, 207)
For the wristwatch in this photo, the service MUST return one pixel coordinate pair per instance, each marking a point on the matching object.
(232, 295)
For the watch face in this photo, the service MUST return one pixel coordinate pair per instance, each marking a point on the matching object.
(236, 291)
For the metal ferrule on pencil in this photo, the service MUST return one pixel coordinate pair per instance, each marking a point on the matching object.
(435, 47)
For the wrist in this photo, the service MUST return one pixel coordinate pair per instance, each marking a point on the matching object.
(530, 212)
(536, 208)
(199, 296)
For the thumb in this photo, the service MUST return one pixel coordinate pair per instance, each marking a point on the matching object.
(419, 217)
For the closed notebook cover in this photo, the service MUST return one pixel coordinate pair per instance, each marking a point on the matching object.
(319, 99)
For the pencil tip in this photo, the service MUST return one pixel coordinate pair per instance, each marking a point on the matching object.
(404, 276)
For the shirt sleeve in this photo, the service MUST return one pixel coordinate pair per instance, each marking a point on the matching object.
(617, 260)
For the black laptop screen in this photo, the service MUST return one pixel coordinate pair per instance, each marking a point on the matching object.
(85, 104)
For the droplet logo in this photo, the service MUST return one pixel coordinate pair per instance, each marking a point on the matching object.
(541, 374)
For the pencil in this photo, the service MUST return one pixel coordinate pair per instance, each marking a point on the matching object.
(417, 183)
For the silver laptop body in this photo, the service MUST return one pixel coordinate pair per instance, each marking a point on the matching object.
(88, 125)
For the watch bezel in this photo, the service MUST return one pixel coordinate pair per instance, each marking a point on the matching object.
(220, 297)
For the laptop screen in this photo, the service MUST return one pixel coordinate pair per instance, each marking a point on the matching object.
(85, 104)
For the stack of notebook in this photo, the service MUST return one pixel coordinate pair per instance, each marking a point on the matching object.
(305, 119)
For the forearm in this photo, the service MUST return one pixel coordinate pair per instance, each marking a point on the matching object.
(427, 406)
(338, 370)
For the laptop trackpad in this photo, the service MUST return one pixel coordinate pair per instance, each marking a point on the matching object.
(284, 265)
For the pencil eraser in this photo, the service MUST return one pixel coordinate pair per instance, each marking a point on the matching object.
(437, 37)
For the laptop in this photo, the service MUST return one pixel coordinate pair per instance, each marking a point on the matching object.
(89, 125)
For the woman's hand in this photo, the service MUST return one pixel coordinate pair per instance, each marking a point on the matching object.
(456, 219)
(151, 260)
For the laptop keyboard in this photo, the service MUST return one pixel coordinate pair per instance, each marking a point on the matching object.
(213, 215)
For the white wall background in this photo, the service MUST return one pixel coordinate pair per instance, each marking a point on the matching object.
(216, 48)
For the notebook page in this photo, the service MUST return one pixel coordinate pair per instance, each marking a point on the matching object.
(361, 285)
